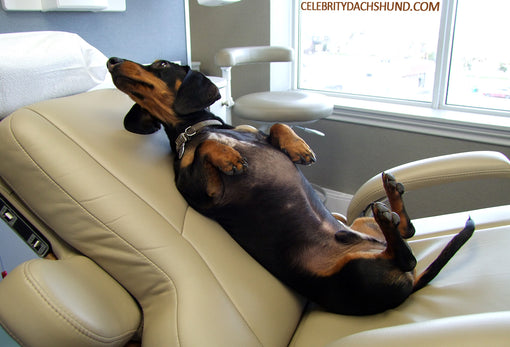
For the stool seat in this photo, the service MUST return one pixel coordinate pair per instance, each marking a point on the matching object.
(284, 107)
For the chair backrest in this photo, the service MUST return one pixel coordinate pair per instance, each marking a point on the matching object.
(111, 195)
(229, 57)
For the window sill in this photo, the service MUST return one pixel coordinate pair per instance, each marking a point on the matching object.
(491, 129)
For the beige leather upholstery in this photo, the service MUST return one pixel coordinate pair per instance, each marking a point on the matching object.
(72, 293)
(102, 193)
(453, 331)
(475, 281)
(110, 194)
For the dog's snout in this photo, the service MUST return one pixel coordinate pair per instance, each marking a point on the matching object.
(113, 61)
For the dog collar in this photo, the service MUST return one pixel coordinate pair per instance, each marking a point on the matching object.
(191, 131)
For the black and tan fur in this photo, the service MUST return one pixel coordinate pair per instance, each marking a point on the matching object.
(248, 182)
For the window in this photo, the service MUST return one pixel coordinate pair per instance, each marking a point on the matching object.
(480, 58)
(442, 53)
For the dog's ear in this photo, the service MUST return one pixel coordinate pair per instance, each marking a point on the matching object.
(139, 121)
(195, 93)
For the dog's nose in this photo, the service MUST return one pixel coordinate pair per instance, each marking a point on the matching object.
(113, 61)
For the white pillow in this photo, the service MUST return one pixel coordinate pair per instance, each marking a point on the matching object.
(41, 65)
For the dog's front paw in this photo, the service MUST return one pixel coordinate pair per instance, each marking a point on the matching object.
(300, 153)
(284, 138)
(225, 158)
(228, 160)
(233, 165)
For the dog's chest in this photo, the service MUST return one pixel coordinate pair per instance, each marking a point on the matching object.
(233, 139)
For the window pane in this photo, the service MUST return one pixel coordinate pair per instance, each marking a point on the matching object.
(479, 75)
(380, 51)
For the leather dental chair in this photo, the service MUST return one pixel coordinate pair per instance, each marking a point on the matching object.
(134, 261)
(292, 107)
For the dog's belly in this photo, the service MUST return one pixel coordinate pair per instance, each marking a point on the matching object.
(271, 210)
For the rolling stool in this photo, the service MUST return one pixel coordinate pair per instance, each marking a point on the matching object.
(291, 107)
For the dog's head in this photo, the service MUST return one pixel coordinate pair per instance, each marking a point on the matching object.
(164, 93)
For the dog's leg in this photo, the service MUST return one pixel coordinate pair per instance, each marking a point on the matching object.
(394, 191)
(396, 248)
(223, 157)
(218, 158)
(283, 137)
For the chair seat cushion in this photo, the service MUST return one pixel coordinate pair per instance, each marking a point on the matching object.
(471, 288)
(285, 107)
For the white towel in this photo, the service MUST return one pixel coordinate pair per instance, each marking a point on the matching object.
(36, 66)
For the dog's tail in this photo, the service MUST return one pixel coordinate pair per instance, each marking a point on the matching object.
(448, 252)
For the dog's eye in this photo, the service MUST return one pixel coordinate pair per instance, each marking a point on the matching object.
(160, 64)
(163, 63)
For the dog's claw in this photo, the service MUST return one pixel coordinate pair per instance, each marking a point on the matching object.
(303, 155)
(307, 159)
(236, 168)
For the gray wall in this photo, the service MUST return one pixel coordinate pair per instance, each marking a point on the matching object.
(146, 31)
(349, 154)
(246, 23)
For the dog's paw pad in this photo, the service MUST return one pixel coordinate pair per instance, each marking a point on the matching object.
(391, 186)
(383, 215)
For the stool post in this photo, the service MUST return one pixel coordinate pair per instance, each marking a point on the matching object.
(227, 75)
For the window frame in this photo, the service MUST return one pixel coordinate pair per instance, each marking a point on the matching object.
(431, 118)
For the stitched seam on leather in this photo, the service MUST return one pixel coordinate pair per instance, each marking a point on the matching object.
(99, 164)
(219, 282)
(50, 179)
(12, 334)
(63, 314)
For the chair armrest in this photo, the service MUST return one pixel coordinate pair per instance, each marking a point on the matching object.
(431, 172)
(255, 54)
(70, 302)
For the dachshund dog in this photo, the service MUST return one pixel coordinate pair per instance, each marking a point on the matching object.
(248, 182)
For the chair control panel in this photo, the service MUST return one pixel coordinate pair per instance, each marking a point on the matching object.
(28, 233)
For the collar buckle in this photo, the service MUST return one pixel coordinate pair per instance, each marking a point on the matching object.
(191, 131)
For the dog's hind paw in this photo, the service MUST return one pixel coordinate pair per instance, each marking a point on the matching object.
(394, 191)
(384, 216)
(391, 186)
(396, 248)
